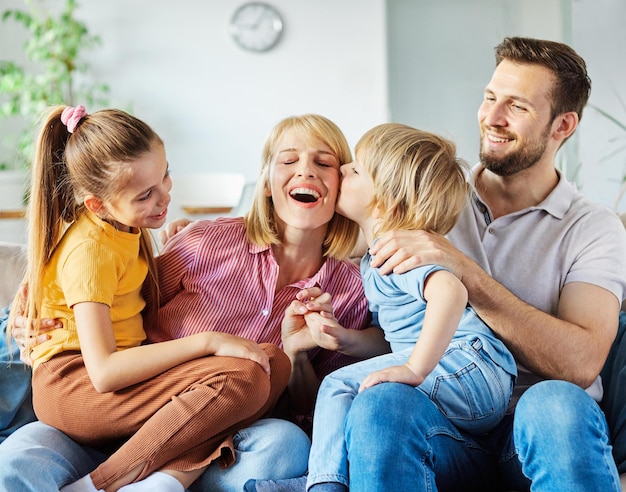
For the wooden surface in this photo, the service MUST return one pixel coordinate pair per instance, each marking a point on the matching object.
(206, 210)
(12, 214)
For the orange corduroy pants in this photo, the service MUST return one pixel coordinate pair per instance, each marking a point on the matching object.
(182, 419)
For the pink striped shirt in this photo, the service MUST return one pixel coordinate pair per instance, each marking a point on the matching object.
(212, 278)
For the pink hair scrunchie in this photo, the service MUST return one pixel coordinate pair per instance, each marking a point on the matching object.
(71, 116)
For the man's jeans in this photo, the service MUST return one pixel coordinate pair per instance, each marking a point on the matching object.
(397, 439)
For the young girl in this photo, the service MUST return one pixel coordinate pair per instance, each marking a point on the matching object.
(403, 178)
(98, 181)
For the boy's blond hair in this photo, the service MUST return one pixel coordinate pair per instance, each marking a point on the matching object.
(419, 183)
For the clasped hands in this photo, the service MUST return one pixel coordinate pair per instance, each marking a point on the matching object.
(309, 322)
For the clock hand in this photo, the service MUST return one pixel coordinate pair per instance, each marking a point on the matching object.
(257, 23)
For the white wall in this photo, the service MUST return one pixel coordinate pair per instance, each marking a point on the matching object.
(599, 35)
(441, 58)
(174, 65)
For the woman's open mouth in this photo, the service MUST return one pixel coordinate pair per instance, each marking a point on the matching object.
(304, 195)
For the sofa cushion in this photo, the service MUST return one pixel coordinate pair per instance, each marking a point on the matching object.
(614, 375)
(12, 266)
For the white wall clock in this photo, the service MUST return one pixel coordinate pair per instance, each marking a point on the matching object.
(256, 26)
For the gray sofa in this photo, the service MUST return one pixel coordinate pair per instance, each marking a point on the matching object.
(12, 261)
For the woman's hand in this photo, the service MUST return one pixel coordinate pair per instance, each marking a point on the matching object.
(324, 327)
(27, 343)
(173, 228)
(309, 322)
(296, 335)
(23, 337)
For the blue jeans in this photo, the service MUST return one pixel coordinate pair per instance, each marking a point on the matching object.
(269, 448)
(397, 439)
(16, 408)
(466, 385)
(39, 458)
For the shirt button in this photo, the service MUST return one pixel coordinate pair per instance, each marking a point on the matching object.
(491, 231)
(265, 312)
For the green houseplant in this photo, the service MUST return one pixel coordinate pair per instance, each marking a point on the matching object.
(56, 73)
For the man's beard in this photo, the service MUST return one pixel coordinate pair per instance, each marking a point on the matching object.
(518, 160)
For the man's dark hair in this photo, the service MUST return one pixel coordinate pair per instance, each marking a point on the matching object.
(573, 85)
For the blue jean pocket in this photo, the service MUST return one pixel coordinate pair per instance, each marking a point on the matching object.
(468, 387)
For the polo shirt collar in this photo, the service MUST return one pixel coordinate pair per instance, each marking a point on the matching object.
(557, 203)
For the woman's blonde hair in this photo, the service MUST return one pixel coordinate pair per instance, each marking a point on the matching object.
(67, 167)
(342, 233)
(419, 183)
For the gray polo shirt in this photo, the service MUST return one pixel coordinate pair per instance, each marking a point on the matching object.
(536, 251)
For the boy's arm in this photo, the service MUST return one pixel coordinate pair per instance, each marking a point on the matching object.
(446, 299)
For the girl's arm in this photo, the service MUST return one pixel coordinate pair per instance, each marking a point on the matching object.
(172, 228)
(446, 299)
(112, 370)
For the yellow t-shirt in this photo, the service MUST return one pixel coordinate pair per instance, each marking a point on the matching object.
(93, 262)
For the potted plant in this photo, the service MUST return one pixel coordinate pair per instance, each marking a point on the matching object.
(56, 74)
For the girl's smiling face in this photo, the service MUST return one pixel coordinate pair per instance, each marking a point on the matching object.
(144, 200)
(303, 182)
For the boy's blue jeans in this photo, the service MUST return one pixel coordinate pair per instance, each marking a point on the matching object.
(397, 439)
(466, 385)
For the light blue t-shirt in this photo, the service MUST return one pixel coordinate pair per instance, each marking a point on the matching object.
(398, 306)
